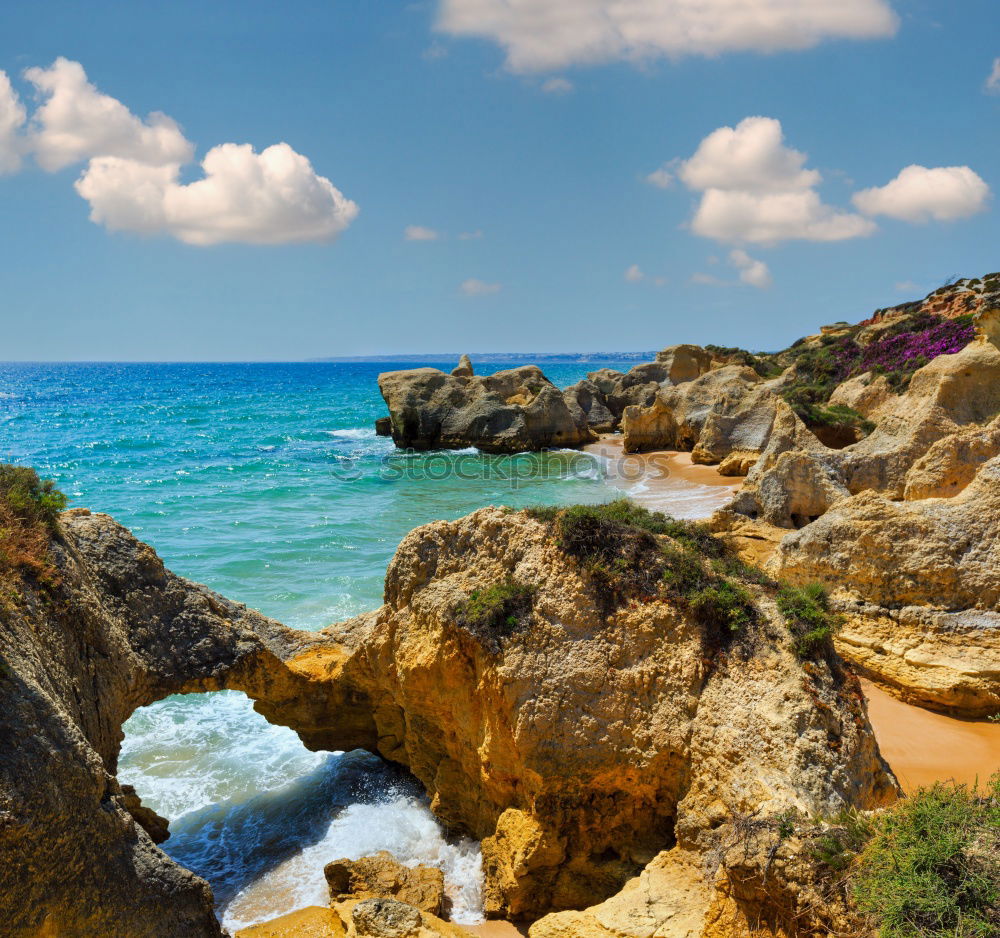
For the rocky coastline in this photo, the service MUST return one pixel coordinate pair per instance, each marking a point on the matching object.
(652, 726)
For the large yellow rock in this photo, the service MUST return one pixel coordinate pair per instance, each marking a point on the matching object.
(381, 876)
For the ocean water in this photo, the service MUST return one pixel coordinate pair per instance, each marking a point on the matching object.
(268, 483)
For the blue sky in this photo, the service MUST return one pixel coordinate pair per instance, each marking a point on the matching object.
(534, 140)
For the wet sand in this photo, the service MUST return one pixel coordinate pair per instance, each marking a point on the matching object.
(665, 480)
(925, 747)
(496, 930)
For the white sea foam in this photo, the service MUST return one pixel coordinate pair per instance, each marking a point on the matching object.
(403, 826)
(181, 753)
(355, 433)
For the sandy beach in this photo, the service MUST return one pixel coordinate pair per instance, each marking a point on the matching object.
(665, 480)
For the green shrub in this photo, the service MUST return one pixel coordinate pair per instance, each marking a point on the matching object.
(724, 607)
(932, 866)
(29, 507)
(494, 613)
(31, 499)
(807, 614)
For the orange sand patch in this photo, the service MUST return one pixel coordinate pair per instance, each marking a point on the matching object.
(924, 747)
(496, 930)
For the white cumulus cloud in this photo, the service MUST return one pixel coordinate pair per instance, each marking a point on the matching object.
(993, 79)
(753, 272)
(78, 122)
(919, 194)
(12, 117)
(550, 34)
(419, 233)
(133, 171)
(475, 287)
(755, 189)
(271, 197)
(634, 274)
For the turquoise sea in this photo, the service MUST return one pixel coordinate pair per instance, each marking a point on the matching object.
(268, 483)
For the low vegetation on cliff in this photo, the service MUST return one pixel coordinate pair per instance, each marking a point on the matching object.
(490, 615)
(28, 510)
(633, 553)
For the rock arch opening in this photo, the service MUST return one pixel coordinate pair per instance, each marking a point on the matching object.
(258, 816)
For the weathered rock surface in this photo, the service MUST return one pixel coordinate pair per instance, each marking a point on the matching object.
(387, 918)
(583, 747)
(586, 403)
(510, 411)
(868, 394)
(155, 825)
(383, 877)
(950, 464)
(922, 585)
(639, 386)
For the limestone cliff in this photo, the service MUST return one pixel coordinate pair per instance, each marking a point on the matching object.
(577, 744)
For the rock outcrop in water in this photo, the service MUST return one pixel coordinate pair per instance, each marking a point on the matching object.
(508, 412)
(578, 745)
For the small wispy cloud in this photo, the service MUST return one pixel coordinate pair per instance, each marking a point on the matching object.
(753, 272)
(993, 81)
(471, 235)
(557, 86)
(420, 233)
(907, 286)
(434, 51)
(662, 178)
(634, 274)
(707, 280)
(476, 287)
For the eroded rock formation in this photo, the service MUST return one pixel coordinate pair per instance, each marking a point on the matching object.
(578, 747)
(520, 409)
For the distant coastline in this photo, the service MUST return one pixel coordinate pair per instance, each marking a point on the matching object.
(498, 358)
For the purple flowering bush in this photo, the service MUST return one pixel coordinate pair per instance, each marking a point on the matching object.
(897, 354)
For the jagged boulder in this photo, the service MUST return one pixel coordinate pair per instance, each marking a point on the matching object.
(639, 386)
(383, 877)
(684, 362)
(387, 918)
(510, 411)
(676, 416)
(587, 405)
(464, 368)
